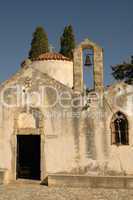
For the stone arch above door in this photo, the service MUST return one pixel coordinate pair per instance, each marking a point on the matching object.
(29, 122)
(26, 120)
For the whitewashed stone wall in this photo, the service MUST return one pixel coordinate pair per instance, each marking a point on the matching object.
(61, 71)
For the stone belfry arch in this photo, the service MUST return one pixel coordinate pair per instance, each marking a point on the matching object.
(97, 66)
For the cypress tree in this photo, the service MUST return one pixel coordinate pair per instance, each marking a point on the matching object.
(39, 43)
(67, 42)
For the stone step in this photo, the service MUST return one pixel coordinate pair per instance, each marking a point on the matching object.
(90, 181)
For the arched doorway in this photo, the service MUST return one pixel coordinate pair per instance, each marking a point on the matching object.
(119, 129)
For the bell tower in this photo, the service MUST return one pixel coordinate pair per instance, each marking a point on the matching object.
(97, 66)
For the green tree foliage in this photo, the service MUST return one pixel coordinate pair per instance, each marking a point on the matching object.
(39, 43)
(123, 72)
(67, 42)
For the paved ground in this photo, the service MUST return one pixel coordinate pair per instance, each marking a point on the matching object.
(30, 191)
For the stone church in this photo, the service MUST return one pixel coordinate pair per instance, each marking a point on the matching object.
(50, 124)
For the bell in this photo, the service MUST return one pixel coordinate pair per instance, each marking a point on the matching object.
(87, 61)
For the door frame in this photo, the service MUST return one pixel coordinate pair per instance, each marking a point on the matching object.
(28, 131)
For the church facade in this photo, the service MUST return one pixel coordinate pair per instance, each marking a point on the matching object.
(50, 124)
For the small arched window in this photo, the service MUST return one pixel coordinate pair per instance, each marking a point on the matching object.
(119, 129)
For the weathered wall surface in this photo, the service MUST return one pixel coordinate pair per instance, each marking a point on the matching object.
(75, 139)
(7, 119)
(55, 128)
(68, 133)
(119, 157)
(97, 154)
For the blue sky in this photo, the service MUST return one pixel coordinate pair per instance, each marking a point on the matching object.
(107, 22)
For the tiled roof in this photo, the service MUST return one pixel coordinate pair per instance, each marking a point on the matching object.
(52, 56)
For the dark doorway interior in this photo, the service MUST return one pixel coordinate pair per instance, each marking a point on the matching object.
(28, 157)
